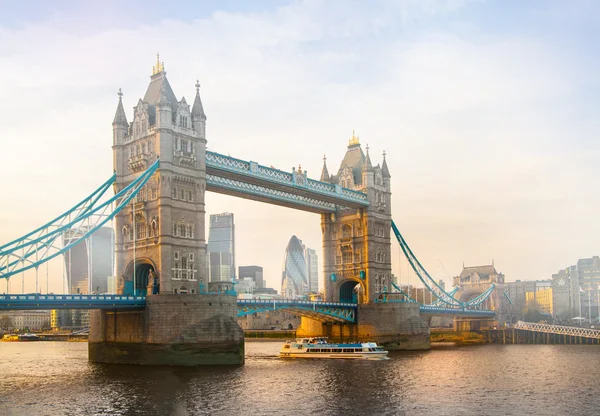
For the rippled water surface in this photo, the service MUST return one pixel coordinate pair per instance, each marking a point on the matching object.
(55, 378)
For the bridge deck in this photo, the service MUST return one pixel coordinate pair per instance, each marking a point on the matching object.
(340, 311)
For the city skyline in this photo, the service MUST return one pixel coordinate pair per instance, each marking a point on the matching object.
(488, 128)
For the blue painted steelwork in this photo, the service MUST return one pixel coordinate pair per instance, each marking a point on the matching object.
(341, 312)
(438, 302)
(427, 310)
(282, 186)
(89, 215)
(287, 198)
(37, 301)
(510, 300)
(430, 283)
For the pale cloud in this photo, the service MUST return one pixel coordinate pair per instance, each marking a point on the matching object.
(488, 153)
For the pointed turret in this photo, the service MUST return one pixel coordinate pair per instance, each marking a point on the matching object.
(120, 117)
(198, 116)
(368, 166)
(384, 168)
(198, 109)
(325, 172)
(120, 125)
(368, 176)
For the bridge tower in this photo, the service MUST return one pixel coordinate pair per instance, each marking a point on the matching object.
(160, 246)
(356, 243)
(163, 229)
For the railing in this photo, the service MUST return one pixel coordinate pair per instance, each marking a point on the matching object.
(435, 311)
(557, 329)
(39, 301)
(296, 302)
(296, 179)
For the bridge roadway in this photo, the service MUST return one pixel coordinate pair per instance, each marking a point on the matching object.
(337, 311)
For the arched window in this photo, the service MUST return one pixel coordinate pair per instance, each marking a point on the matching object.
(346, 231)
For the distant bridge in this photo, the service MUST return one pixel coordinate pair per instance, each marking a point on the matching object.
(557, 329)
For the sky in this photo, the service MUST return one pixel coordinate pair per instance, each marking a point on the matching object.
(488, 112)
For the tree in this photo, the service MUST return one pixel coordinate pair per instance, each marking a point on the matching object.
(5, 322)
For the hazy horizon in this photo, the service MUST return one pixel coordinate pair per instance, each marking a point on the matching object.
(487, 111)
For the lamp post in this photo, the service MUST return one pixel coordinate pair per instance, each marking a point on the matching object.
(598, 304)
(589, 305)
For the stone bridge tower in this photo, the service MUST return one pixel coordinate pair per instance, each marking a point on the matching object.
(160, 236)
(356, 243)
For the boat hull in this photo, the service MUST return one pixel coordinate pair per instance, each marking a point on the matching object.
(338, 356)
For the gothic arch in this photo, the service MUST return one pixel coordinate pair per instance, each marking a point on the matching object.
(350, 290)
(145, 270)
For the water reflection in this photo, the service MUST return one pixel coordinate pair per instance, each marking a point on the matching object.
(56, 378)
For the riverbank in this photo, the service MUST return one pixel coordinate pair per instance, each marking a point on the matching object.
(457, 337)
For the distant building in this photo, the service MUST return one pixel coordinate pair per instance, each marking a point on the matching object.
(542, 299)
(576, 290)
(312, 269)
(92, 256)
(245, 285)
(420, 294)
(69, 319)
(253, 272)
(517, 291)
(294, 277)
(31, 320)
(269, 291)
(221, 248)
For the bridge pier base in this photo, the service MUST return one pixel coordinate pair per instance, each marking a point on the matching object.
(396, 326)
(182, 330)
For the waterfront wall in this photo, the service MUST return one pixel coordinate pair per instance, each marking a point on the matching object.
(396, 326)
(185, 330)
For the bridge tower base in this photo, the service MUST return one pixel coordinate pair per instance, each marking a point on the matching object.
(181, 330)
(396, 326)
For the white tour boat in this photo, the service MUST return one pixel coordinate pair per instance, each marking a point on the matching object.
(320, 348)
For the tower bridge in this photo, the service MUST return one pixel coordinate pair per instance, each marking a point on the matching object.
(158, 212)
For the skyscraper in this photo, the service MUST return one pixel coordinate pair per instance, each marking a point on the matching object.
(221, 248)
(312, 269)
(254, 272)
(294, 277)
(93, 256)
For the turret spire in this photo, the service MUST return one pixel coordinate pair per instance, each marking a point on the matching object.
(197, 108)
(325, 172)
(368, 166)
(120, 117)
(384, 168)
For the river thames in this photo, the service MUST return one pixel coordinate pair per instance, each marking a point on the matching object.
(55, 378)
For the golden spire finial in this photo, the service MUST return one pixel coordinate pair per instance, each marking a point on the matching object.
(160, 66)
(353, 140)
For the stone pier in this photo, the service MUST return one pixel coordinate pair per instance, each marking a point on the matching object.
(396, 326)
(181, 330)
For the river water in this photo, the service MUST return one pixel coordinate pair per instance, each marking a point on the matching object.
(55, 378)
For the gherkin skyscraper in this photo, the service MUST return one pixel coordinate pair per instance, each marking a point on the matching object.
(294, 277)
